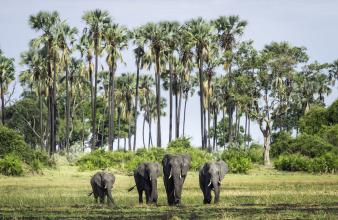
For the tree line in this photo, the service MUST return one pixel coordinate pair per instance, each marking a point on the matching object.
(67, 92)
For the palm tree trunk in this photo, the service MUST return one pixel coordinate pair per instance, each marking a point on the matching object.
(94, 100)
(67, 109)
(2, 104)
(224, 127)
(41, 116)
(119, 127)
(111, 111)
(209, 144)
(215, 128)
(136, 99)
(129, 136)
(246, 127)
(176, 116)
(170, 101)
(144, 142)
(179, 112)
(54, 106)
(200, 71)
(184, 111)
(83, 127)
(158, 99)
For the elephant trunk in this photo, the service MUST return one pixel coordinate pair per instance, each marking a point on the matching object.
(153, 196)
(177, 188)
(216, 185)
(110, 198)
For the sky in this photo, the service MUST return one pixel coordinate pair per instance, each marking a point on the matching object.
(309, 23)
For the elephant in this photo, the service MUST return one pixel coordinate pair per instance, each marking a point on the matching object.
(210, 176)
(102, 184)
(145, 176)
(175, 169)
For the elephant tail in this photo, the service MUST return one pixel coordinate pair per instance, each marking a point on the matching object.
(89, 194)
(131, 188)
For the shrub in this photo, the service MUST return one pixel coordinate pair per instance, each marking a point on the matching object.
(127, 161)
(12, 142)
(330, 134)
(293, 162)
(182, 142)
(255, 153)
(237, 159)
(313, 120)
(297, 162)
(332, 113)
(309, 145)
(11, 165)
(280, 144)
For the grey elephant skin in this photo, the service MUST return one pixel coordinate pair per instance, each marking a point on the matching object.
(102, 184)
(145, 176)
(175, 170)
(211, 175)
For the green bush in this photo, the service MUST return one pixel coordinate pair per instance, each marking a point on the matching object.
(11, 165)
(332, 113)
(255, 153)
(127, 161)
(313, 120)
(280, 144)
(182, 142)
(293, 162)
(297, 162)
(237, 159)
(330, 134)
(309, 145)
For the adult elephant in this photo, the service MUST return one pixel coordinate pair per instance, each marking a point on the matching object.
(145, 176)
(210, 176)
(102, 184)
(175, 169)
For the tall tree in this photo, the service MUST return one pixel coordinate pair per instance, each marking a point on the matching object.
(198, 32)
(116, 40)
(228, 29)
(6, 77)
(65, 38)
(97, 21)
(47, 23)
(156, 38)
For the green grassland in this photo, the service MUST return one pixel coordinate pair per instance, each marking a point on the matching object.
(262, 194)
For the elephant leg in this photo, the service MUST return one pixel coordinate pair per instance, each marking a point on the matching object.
(147, 196)
(140, 194)
(207, 196)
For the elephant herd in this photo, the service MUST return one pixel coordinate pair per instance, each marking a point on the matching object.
(174, 169)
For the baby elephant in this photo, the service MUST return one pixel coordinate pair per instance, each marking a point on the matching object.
(210, 176)
(145, 176)
(102, 184)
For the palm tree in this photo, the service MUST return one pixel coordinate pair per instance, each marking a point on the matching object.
(156, 36)
(7, 71)
(35, 76)
(96, 20)
(47, 23)
(146, 92)
(65, 40)
(138, 40)
(228, 29)
(198, 32)
(116, 40)
(171, 28)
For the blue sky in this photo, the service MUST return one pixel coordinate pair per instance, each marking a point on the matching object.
(308, 23)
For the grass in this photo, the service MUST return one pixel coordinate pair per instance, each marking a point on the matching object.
(262, 194)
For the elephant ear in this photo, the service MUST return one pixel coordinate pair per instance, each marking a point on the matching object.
(223, 169)
(98, 180)
(186, 160)
(165, 162)
(141, 170)
(203, 169)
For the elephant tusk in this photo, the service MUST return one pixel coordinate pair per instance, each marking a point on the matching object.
(209, 183)
(219, 182)
(180, 176)
(150, 178)
(169, 176)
